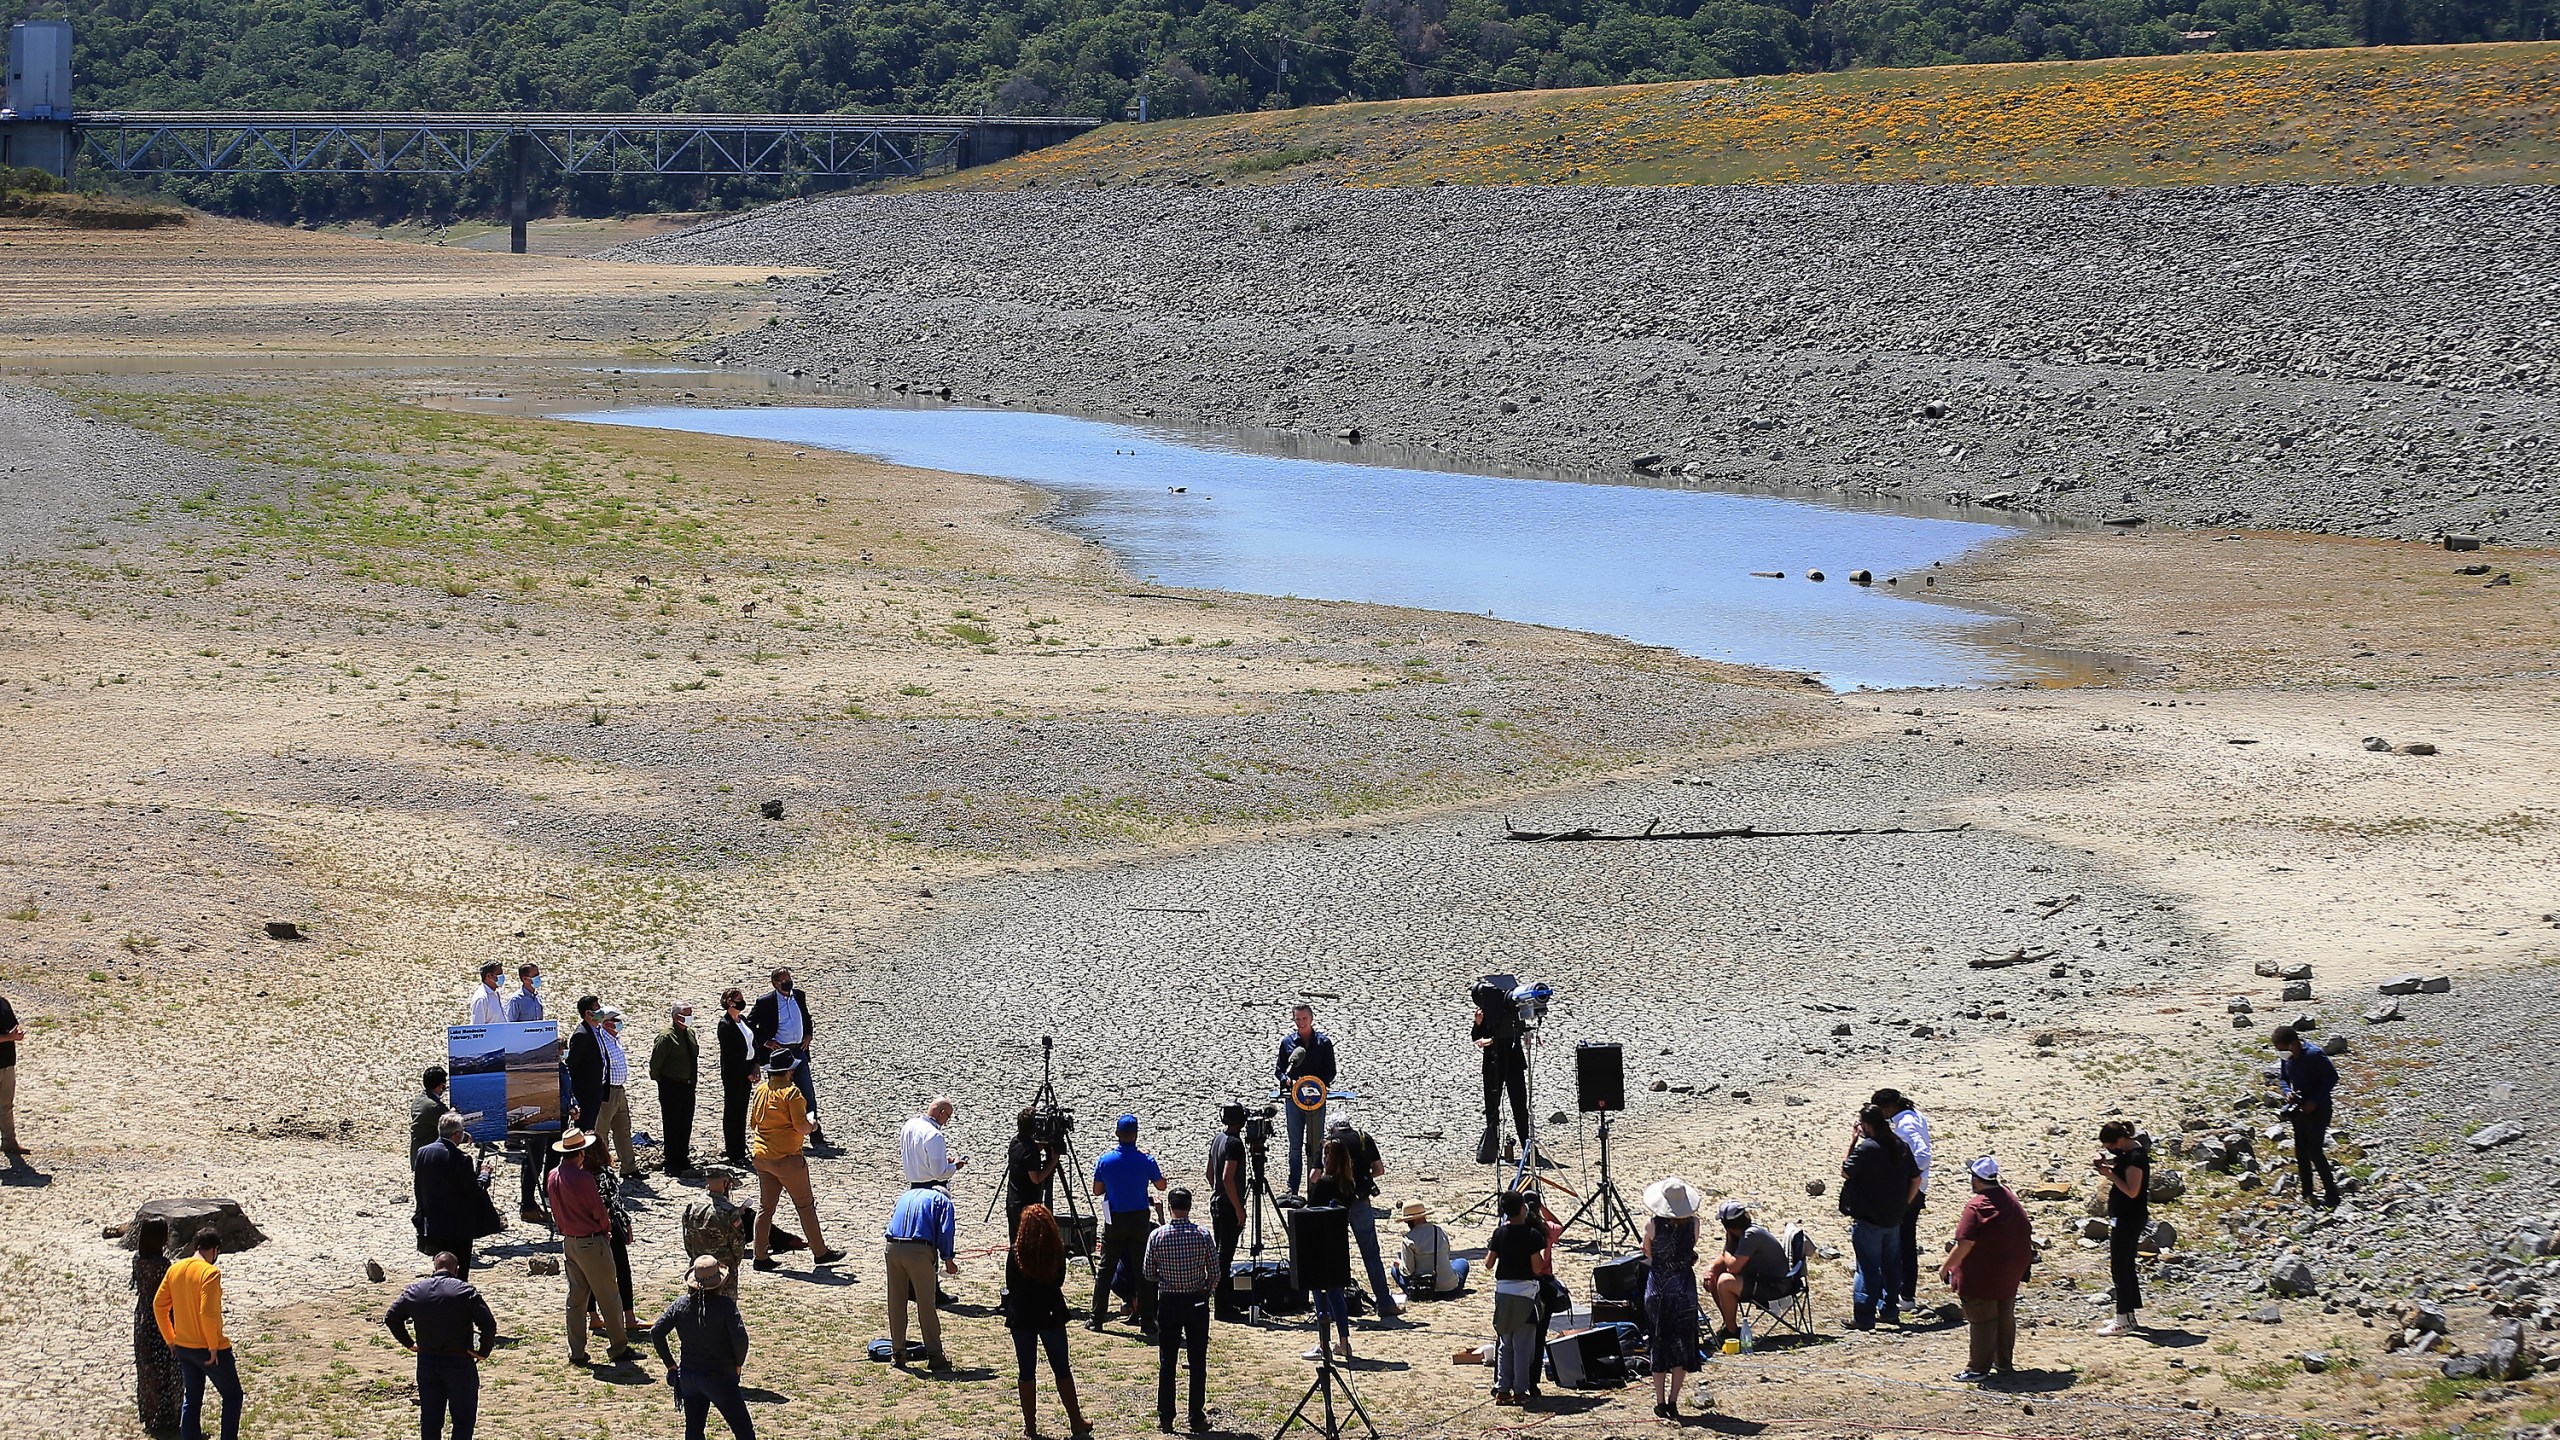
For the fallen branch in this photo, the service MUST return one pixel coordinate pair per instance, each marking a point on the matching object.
(1655, 831)
(2020, 956)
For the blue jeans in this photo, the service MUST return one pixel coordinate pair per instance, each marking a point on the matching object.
(1303, 1123)
(1879, 1250)
(1364, 1232)
(1333, 1311)
(702, 1392)
(448, 1384)
(199, 1366)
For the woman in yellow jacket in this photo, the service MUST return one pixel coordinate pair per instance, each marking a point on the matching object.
(780, 1125)
(189, 1309)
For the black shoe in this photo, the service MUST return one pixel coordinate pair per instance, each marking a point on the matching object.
(1199, 1424)
(1165, 1423)
(768, 1263)
(938, 1364)
(826, 1257)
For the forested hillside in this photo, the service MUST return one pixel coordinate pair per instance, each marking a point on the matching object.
(1088, 57)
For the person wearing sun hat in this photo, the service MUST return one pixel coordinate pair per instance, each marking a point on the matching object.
(1995, 1243)
(586, 1249)
(1671, 1288)
(1425, 1269)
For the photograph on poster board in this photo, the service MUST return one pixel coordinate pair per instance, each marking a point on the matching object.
(504, 1078)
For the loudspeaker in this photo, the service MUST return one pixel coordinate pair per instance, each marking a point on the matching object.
(1599, 1077)
(1077, 1231)
(1268, 1282)
(1619, 1279)
(1320, 1247)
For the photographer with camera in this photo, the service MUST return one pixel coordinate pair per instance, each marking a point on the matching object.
(1506, 1064)
(1227, 1181)
(2124, 1163)
(1304, 1051)
(1359, 1203)
(1030, 1160)
(2309, 1080)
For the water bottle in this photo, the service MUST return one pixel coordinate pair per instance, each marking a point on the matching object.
(1743, 1323)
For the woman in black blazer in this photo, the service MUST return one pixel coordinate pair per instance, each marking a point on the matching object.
(737, 1075)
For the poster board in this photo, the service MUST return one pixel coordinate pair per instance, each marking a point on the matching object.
(504, 1078)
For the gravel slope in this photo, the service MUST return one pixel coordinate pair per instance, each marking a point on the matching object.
(2362, 361)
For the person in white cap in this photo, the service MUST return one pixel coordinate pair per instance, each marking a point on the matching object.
(1995, 1243)
(1671, 1288)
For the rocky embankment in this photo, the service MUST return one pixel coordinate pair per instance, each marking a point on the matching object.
(2358, 361)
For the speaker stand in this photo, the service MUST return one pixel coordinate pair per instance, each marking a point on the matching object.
(1327, 1377)
(1605, 1208)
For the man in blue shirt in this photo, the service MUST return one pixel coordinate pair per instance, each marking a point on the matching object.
(1304, 1051)
(1123, 1177)
(920, 1228)
(2310, 1082)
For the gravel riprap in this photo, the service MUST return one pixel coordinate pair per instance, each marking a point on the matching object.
(2360, 361)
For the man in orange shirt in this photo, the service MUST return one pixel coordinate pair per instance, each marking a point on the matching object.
(188, 1308)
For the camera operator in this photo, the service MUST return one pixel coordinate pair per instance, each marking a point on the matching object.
(1227, 1182)
(1029, 1162)
(1506, 1065)
(1359, 1204)
(1304, 1051)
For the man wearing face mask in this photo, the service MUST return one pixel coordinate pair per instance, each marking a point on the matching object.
(780, 1022)
(525, 1006)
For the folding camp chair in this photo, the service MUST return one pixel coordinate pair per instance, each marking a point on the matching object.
(1790, 1307)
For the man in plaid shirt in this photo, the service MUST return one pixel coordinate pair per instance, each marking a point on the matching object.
(1182, 1263)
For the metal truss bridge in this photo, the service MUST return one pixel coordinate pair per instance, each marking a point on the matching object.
(509, 145)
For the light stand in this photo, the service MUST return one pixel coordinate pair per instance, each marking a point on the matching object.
(1328, 1375)
(1605, 1208)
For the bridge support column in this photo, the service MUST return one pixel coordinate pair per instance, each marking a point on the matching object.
(518, 204)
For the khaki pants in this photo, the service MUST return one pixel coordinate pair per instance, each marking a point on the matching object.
(613, 1123)
(909, 1266)
(775, 1178)
(9, 1105)
(588, 1259)
(1991, 1326)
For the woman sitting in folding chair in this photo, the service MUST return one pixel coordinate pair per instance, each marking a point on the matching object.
(1753, 1269)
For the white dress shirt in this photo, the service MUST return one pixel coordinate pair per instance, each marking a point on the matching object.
(616, 1070)
(1913, 1127)
(790, 1022)
(488, 1007)
(926, 1155)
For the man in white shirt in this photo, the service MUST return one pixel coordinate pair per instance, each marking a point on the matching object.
(489, 1003)
(923, 1149)
(1913, 1127)
(615, 1122)
(1425, 1269)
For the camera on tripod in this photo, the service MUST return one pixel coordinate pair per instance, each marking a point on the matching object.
(1050, 1125)
(1257, 1128)
(1510, 1008)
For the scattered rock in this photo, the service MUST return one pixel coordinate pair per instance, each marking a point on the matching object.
(542, 1265)
(2379, 1015)
(373, 1271)
(1861, 577)
(771, 810)
(2268, 1315)
(2315, 1362)
(2377, 744)
(2161, 1235)
(2417, 747)
(2297, 990)
(2490, 1137)
(2292, 1275)
(187, 1216)
(284, 930)
(2402, 985)
(1815, 1188)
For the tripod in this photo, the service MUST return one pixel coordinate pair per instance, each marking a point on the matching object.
(1328, 1375)
(1605, 1207)
(1257, 1187)
(1044, 1103)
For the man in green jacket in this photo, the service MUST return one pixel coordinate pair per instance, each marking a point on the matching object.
(674, 1062)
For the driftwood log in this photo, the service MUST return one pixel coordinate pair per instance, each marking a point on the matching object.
(1655, 831)
(2023, 955)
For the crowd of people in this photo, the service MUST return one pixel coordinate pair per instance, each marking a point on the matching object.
(1155, 1266)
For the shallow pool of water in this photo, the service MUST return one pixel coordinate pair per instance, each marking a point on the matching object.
(1661, 566)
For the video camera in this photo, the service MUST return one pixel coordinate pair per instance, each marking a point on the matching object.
(1510, 1007)
(1050, 1125)
(1257, 1127)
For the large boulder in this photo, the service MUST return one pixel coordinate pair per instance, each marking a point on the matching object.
(2292, 1275)
(187, 1216)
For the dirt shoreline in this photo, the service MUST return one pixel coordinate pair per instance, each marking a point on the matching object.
(970, 830)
